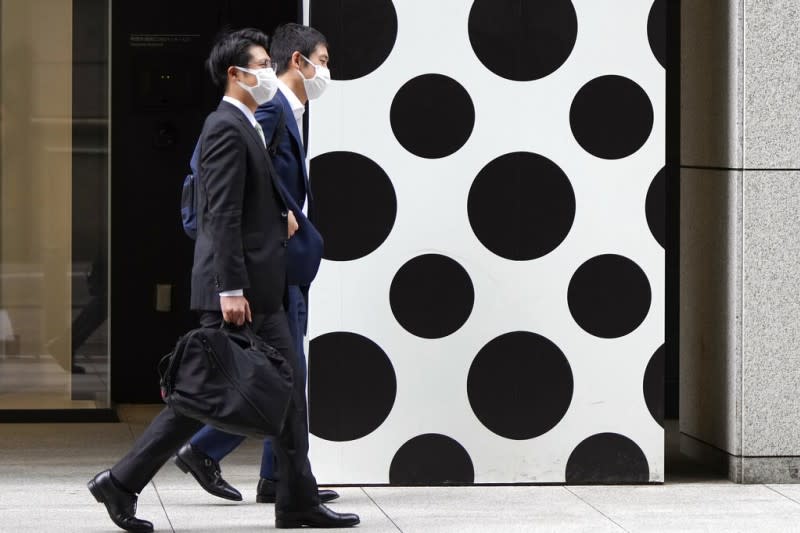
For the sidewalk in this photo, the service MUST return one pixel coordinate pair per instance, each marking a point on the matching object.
(44, 468)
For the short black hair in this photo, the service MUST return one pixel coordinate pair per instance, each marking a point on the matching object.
(232, 49)
(291, 38)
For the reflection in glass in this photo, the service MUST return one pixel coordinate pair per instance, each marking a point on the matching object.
(53, 204)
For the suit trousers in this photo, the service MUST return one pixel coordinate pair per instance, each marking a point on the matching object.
(216, 443)
(296, 488)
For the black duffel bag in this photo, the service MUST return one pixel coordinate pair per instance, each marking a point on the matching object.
(229, 379)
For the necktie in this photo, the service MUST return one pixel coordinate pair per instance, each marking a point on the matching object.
(261, 134)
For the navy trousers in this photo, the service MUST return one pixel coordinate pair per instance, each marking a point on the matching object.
(217, 444)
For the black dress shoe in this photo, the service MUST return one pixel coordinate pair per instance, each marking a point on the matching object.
(319, 516)
(206, 471)
(266, 492)
(327, 495)
(120, 504)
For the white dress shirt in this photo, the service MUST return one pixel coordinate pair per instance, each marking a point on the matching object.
(241, 107)
(298, 109)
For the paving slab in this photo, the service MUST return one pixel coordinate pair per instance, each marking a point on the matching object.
(488, 509)
(196, 511)
(697, 507)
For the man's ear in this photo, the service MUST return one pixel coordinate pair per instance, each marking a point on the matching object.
(297, 60)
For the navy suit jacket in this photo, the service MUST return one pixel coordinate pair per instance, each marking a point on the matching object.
(305, 247)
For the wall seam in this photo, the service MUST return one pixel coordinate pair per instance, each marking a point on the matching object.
(742, 65)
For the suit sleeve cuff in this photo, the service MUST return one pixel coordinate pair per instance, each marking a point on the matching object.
(237, 292)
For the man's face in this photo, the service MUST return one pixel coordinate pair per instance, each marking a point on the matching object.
(258, 59)
(319, 57)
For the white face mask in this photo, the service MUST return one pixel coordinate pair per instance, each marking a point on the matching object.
(266, 87)
(316, 86)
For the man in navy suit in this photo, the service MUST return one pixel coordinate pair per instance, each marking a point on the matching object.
(300, 56)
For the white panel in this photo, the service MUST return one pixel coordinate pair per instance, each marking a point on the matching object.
(530, 295)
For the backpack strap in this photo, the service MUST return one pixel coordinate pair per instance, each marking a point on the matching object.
(194, 162)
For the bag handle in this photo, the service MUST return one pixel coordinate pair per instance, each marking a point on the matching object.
(244, 330)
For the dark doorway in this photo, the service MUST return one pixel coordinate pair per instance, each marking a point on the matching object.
(161, 97)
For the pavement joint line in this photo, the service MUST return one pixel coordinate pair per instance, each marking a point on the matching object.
(153, 483)
(596, 509)
(381, 509)
(163, 507)
(782, 494)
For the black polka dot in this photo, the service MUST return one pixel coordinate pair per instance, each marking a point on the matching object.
(432, 116)
(607, 458)
(609, 296)
(657, 31)
(431, 459)
(354, 204)
(656, 206)
(351, 386)
(520, 385)
(653, 385)
(611, 117)
(432, 296)
(522, 41)
(360, 34)
(538, 206)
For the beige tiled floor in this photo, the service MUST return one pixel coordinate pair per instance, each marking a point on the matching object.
(44, 468)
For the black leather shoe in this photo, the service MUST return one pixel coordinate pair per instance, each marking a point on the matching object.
(120, 504)
(327, 495)
(319, 516)
(206, 471)
(266, 492)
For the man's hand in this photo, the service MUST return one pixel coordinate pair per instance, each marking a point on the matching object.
(235, 309)
(293, 225)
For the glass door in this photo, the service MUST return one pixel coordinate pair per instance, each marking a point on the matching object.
(54, 160)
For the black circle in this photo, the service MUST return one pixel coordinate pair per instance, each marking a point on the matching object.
(351, 386)
(432, 116)
(655, 206)
(523, 41)
(611, 117)
(653, 385)
(360, 34)
(607, 458)
(520, 385)
(538, 206)
(431, 296)
(431, 459)
(354, 204)
(657, 31)
(609, 296)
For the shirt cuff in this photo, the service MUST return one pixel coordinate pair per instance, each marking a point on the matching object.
(237, 292)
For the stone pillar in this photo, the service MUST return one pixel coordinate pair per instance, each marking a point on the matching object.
(740, 237)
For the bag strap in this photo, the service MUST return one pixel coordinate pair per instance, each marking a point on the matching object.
(168, 364)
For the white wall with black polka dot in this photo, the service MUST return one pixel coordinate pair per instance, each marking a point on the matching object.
(489, 184)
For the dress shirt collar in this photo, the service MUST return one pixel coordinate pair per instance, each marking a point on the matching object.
(294, 102)
(241, 107)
